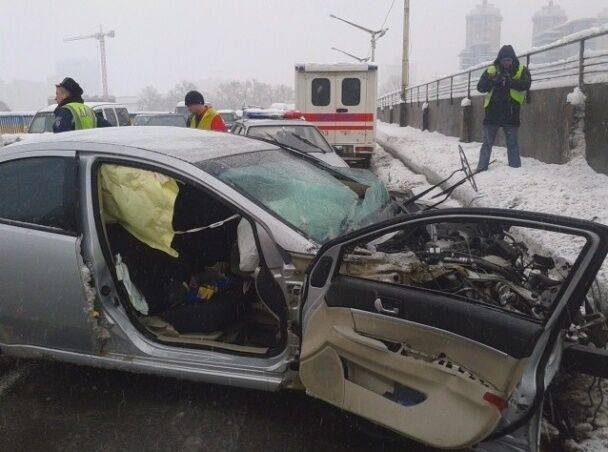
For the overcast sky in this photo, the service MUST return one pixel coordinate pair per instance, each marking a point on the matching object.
(162, 42)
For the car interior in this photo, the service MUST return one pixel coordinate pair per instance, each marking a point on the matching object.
(200, 292)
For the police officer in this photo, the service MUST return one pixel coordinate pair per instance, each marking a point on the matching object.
(202, 116)
(71, 112)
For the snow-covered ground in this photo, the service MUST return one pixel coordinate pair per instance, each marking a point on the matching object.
(573, 189)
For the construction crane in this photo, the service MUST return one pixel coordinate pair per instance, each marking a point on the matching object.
(360, 60)
(101, 37)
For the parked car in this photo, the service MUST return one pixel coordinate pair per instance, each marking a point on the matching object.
(115, 114)
(159, 119)
(296, 133)
(229, 116)
(180, 109)
(222, 259)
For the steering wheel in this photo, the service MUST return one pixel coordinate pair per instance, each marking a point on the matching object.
(466, 168)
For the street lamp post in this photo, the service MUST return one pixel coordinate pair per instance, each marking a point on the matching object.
(374, 34)
(360, 60)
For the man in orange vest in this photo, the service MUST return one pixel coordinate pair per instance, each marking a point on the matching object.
(202, 116)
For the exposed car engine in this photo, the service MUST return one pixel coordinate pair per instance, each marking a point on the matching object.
(479, 261)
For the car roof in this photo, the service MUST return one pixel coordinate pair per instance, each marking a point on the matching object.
(17, 113)
(191, 145)
(274, 122)
(52, 107)
(158, 113)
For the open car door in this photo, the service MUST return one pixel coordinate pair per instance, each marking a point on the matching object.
(432, 325)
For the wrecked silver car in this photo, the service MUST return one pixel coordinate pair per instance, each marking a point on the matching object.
(222, 259)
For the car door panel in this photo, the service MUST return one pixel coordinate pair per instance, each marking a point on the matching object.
(43, 304)
(369, 376)
(512, 335)
(429, 364)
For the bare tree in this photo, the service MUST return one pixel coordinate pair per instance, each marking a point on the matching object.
(150, 99)
(178, 92)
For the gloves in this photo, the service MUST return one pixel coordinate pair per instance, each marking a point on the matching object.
(502, 81)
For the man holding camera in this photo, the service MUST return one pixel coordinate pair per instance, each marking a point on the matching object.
(505, 84)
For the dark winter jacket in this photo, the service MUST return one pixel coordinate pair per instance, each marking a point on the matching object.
(64, 122)
(503, 110)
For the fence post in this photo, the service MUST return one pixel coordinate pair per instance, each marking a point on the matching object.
(581, 64)
(528, 66)
(426, 99)
(418, 95)
(469, 86)
(451, 90)
(437, 93)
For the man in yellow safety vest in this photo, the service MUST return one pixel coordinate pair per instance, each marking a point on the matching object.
(71, 112)
(202, 116)
(505, 84)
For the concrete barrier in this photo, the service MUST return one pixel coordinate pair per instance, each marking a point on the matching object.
(596, 126)
(547, 123)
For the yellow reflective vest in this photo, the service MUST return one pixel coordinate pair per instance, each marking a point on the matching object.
(83, 116)
(206, 120)
(517, 96)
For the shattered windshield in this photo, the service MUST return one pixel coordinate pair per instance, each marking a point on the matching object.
(318, 201)
(300, 136)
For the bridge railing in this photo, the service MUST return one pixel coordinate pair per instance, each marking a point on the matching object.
(584, 65)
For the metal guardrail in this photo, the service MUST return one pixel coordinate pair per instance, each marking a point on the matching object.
(15, 122)
(577, 70)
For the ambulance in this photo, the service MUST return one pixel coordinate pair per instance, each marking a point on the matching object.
(340, 99)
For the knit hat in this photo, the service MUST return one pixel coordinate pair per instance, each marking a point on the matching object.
(70, 85)
(194, 97)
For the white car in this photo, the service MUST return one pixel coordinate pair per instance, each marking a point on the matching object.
(115, 114)
(295, 133)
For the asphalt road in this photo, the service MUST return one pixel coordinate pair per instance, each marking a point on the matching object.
(48, 406)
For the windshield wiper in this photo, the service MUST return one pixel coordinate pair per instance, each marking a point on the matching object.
(307, 141)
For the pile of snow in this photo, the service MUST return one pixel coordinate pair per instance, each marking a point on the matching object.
(576, 97)
(572, 189)
(579, 146)
(465, 102)
(591, 428)
(9, 138)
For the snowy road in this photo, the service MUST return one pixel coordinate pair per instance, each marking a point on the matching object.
(60, 407)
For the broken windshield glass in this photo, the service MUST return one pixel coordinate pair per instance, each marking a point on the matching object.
(320, 202)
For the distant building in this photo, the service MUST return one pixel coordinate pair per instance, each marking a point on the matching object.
(483, 35)
(549, 16)
(544, 33)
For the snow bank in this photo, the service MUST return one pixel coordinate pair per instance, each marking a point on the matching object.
(465, 102)
(591, 429)
(573, 189)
